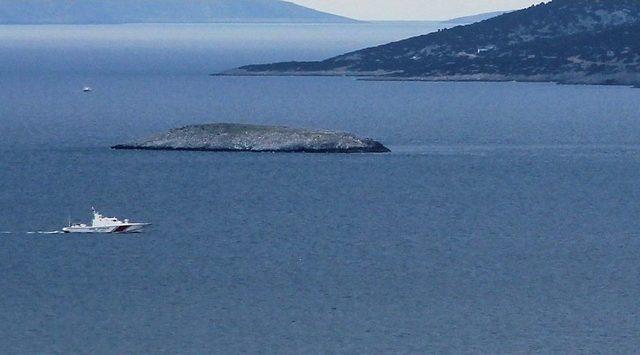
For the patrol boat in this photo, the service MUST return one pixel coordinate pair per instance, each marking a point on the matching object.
(102, 224)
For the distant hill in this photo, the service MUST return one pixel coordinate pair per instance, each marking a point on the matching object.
(569, 41)
(146, 11)
(475, 18)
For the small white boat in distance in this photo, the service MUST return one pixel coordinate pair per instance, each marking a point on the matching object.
(102, 224)
(87, 89)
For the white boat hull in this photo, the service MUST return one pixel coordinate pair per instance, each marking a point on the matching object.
(102, 224)
(125, 228)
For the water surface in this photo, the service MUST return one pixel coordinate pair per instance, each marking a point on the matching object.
(505, 221)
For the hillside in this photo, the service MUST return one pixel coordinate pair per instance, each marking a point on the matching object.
(147, 11)
(570, 41)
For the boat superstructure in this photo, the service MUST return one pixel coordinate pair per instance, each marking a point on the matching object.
(102, 224)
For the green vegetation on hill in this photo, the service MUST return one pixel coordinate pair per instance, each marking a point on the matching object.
(573, 41)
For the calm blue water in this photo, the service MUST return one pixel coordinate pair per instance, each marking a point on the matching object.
(505, 221)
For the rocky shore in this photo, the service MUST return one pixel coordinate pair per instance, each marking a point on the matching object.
(230, 137)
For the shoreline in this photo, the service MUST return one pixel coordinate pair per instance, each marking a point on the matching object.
(455, 79)
(286, 151)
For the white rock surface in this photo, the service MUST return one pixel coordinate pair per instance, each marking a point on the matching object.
(255, 138)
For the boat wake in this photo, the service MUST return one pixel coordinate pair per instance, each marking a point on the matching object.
(46, 232)
(31, 233)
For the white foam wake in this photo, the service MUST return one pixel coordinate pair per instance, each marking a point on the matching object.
(46, 232)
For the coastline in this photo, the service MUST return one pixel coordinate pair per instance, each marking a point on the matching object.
(560, 79)
(288, 151)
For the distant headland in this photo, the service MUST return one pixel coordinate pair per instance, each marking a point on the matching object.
(474, 18)
(231, 137)
(159, 11)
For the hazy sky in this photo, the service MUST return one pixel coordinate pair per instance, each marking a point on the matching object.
(412, 9)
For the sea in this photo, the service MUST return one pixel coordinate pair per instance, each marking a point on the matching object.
(506, 219)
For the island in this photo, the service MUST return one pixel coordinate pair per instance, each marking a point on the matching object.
(232, 137)
(563, 41)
